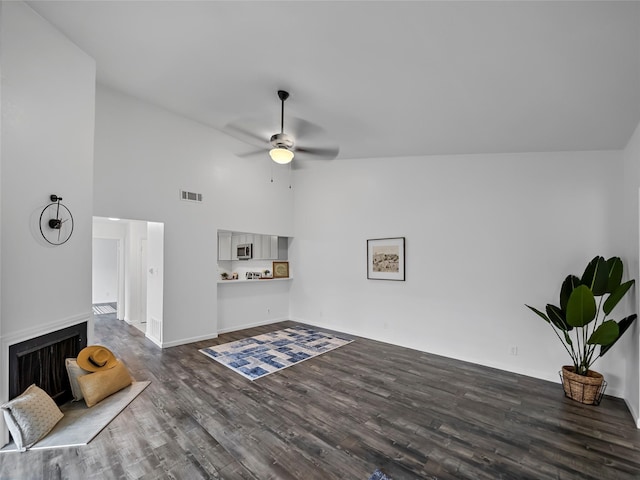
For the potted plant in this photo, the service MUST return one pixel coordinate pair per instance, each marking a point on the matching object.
(224, 275)
(582, 322)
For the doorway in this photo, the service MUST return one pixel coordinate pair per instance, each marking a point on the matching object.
(143, 283)
(104, 290)
(123, 250)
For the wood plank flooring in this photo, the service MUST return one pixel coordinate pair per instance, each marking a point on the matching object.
(341, 415)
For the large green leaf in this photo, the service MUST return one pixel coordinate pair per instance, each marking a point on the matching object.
(581, 307)
(589, 272)
(596, 276)
(568, 285)
(623, 325)
(567, 339)
(611, 302)
(539, 313)
(615, 269)
(605, 334)
(558, 318)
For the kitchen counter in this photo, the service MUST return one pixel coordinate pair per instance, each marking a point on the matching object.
(258, 280)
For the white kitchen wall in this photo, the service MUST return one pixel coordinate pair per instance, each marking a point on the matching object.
(252, 303)
(630, 240)
(143, 156)
(485, 234)
(48, 91)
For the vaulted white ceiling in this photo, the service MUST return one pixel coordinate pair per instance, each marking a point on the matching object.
(383, 78)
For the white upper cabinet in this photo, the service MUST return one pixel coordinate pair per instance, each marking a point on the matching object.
(265, 247)
(224, 246)
(269, 247)
(235, 241)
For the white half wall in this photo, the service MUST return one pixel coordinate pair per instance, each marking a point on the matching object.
(48, 100)
(146, 155)
(249, 304)
(485, 234)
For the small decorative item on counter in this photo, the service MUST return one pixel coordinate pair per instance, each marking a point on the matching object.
(234, 276)
(280, 269)
(224, 275)
(266, 274)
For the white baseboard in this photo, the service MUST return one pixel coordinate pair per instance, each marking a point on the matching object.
(633, 412)
(154, 340)
(251, 325)
(184, 341)
(548, 376)
(209, 336)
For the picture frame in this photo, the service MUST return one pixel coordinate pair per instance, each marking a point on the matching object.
(386, 259)
(280, 269)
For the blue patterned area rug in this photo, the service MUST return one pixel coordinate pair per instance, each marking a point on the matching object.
(379, 475)
(258, 356)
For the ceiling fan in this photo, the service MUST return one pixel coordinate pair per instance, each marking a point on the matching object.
(303, 139)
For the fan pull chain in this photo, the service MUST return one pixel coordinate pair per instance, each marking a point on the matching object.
(271, 172)
(289, 175)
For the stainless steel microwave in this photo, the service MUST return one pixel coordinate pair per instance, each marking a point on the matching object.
(245, 251)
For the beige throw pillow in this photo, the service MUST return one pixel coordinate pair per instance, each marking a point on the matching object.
(74, 371)
(99, 385)
(30, 416)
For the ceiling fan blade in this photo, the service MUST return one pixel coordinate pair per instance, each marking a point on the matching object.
(253, 153)
(303, 130)
(248, 132)
(323, 153)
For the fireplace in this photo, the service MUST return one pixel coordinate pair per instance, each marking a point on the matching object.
(41, 360)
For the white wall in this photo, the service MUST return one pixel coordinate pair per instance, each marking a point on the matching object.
(48, 91)
(148, 154)
(630, 240)
(104, 271)
(485, 234)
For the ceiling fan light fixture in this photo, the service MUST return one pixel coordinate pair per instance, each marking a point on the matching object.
(281, 155)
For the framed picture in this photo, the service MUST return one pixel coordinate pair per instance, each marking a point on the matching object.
(385, 259)
(280, 269)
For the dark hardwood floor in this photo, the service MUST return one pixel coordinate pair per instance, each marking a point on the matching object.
(364, 406)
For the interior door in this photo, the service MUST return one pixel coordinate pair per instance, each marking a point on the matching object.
(143, 280)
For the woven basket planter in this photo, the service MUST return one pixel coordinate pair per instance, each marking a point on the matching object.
(587, 389)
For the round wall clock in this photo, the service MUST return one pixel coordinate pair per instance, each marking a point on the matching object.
(56, 222)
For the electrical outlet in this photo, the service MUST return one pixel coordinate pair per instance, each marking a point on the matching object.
(513, 350)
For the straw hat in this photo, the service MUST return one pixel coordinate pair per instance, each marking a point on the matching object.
(96, 358)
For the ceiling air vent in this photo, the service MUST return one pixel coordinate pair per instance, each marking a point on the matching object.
(190, 196)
